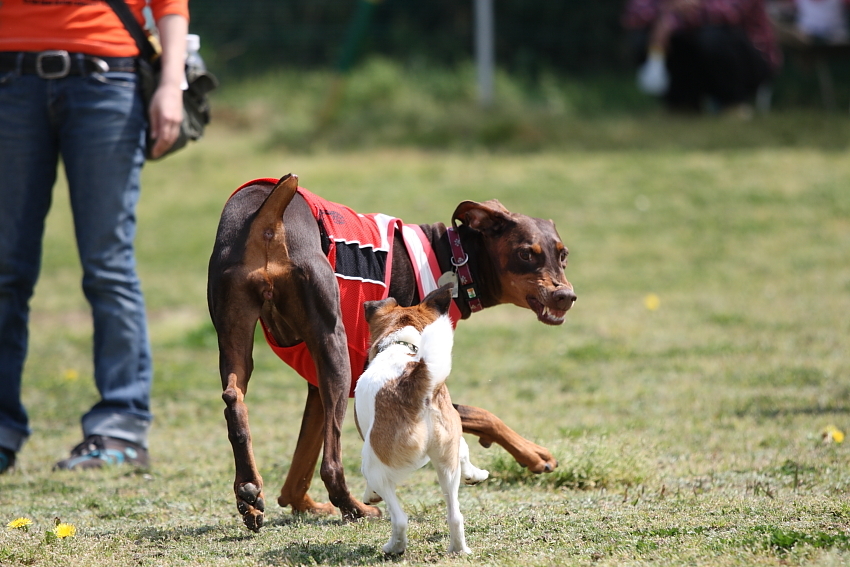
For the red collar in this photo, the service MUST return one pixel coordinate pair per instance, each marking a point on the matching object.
(459, 261)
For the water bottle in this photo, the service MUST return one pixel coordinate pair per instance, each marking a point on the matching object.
(193, 58)
(194, 64)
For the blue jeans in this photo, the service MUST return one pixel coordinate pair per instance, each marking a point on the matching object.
(96, 123)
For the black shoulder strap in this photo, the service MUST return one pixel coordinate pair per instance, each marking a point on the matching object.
(126, 16)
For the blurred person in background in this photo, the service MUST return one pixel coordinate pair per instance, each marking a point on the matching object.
(810, 21)
(703, 54)
(69, 88)
(823, 20)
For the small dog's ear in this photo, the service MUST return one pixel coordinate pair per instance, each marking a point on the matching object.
(372, 307)
(440, 299)
(487, 216)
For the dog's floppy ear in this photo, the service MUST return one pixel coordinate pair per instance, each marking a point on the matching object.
(372, 307)
(487, 216)
(439, 299)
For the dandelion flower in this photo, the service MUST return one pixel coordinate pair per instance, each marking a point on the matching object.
(70, 375)
(831, 434)
(652, 302)
(19, 523)
(65, 530)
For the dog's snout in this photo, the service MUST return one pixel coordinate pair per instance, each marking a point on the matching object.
(564, 298)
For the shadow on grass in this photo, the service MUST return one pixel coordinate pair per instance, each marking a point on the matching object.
(289, 519)
(178, 533)
(337, 553)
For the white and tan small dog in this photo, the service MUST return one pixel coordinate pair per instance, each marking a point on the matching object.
(404, 413)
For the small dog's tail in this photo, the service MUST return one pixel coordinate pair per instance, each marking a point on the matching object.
(435, 349)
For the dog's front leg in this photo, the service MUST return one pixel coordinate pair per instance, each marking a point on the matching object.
(294, 490)
(490, 429)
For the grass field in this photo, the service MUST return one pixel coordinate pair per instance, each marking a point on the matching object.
(685, 396)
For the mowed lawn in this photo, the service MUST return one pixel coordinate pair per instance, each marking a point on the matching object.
(685, 396)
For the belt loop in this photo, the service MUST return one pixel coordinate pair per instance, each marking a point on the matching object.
(80, 63)
(19, 63)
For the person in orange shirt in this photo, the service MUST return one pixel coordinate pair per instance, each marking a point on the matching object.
(69, 88)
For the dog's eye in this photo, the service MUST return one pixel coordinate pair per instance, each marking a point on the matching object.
(525, 255)
(564, 254)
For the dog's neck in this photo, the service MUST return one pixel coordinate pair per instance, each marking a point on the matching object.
(481, 268)
(410, 346)
(407, 337)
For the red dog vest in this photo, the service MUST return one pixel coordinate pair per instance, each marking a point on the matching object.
(359, 249)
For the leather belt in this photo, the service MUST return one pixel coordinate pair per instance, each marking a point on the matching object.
(56, 64)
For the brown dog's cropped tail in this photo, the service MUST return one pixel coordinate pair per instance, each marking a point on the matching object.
(267, 239)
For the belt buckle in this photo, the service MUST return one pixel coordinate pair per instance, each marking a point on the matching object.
(66, 64)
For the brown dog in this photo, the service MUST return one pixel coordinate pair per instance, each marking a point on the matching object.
(286, 257)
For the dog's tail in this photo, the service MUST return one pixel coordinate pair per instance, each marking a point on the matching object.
(268, 223)
(267, 238)
(435, 349)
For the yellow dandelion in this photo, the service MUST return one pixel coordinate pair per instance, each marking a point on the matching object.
(65, 530)
(652, 302)
(831, 434)
(70, 375)
(19, 523)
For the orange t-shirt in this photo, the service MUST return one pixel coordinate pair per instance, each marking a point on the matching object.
(78, 26)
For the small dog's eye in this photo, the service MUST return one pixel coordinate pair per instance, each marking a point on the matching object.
(525, 255)
(564, 255)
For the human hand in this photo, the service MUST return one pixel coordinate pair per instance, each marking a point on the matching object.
(166, 115)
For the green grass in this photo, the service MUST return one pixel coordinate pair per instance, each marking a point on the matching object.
(686, 434)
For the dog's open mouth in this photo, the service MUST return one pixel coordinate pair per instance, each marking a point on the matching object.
(546, 314)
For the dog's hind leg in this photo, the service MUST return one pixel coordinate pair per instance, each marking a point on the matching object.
(449, 476)
(309, 445)
(236, 339)
(489, 429)
(330, 355)
(246, 260)
(310, 298)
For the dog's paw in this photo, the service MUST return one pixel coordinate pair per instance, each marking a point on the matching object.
(303, 504)
(537, 459)
(474, 476)
(371, 497)
(251, 505)
(372, 512)
(463, 550)
(395, 547)
(318, 509)
(353, 510)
